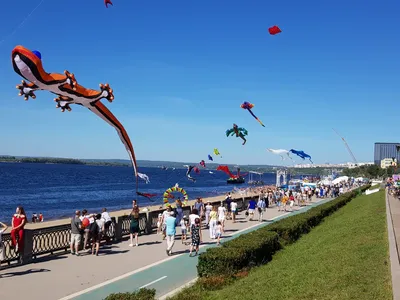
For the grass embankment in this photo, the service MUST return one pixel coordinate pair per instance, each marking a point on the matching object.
(345, 257)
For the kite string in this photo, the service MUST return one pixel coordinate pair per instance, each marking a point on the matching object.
(22, 23)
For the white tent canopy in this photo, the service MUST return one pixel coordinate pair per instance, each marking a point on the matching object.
(340, 179)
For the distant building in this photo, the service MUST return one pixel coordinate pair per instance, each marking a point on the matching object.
(385, 150)
(388, 162)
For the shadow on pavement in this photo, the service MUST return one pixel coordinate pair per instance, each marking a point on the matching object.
(30, 271)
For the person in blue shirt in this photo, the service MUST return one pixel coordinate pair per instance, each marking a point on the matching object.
(170, 231)
(251, 208)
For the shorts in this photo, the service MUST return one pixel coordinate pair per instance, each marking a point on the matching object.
(76, 238)
(251, 211)
(218, 234)
(291, 203)
(96, 237)
(234, 210)
(221, 219)
(183, 231)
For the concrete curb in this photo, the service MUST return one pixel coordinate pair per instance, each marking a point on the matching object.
(177, 290)
(393, 251)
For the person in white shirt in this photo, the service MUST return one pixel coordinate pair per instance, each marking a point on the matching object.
(184, 226)
(233, 209)
(208, 210)
(193, 216)
(221, 214)
(165, 215)
(2, 251)
(105, 216)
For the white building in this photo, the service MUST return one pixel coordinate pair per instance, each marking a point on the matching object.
(388, 162)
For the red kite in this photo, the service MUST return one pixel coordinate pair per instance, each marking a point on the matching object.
(274, 30)
(106, 2)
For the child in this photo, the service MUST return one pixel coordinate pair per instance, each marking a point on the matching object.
(218, 232)
(184, 226)
(196, 236)
(159, 222)
(2, 252)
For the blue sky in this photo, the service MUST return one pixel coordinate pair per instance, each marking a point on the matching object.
(181, 69)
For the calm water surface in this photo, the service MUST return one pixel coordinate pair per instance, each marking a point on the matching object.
(57, 190)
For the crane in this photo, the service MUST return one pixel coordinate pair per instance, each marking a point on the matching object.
(347, 147)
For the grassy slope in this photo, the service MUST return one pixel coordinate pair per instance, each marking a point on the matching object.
(346, 257)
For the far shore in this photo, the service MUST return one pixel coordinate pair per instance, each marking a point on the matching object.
(125, 212)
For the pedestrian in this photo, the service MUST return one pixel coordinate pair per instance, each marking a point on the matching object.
(170, 231)
(159, 223)
(213, 222)
(261, 208)
(219, 231)
(134, 226)
(165, 215)
(76, 236)
(196, 237)
(97, 234)
(2, 251)
(184, 226)
(221, 214)
(233, 210)
(17, 230)
(208, 211)
(251, 208)
(105, 216)
(199, 205)
(192, 218)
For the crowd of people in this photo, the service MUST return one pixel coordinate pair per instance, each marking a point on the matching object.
(92, 228)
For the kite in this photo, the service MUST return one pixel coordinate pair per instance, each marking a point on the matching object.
(106, 2)
(144, 177)
(203, 163)
(146, 195)
(210, 157)
(280, 152)
(301, 154)
(216, 152)
(274, 30)
(189, 169)
(196, 170)
(249, 106)
(28, 65)
(167, 195)
(211, 172)
(238, 131)
(226, 170)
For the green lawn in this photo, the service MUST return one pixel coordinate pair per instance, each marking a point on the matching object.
(345, 257)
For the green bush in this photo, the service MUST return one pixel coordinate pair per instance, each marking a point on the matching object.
(257, 247)
(142, 294)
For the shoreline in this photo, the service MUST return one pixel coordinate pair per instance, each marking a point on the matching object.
(251, 191)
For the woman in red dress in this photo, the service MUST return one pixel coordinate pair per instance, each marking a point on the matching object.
(17, 232)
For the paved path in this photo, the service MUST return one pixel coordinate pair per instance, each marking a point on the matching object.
(118, 268)
(393, 218)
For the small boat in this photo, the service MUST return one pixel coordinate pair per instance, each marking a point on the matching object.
(237, 180)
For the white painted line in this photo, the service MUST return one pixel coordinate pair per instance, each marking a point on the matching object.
(95, 287)
(154, 281)
(177, 290)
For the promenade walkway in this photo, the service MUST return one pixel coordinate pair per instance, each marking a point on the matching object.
(393, 216)
(118, 268)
